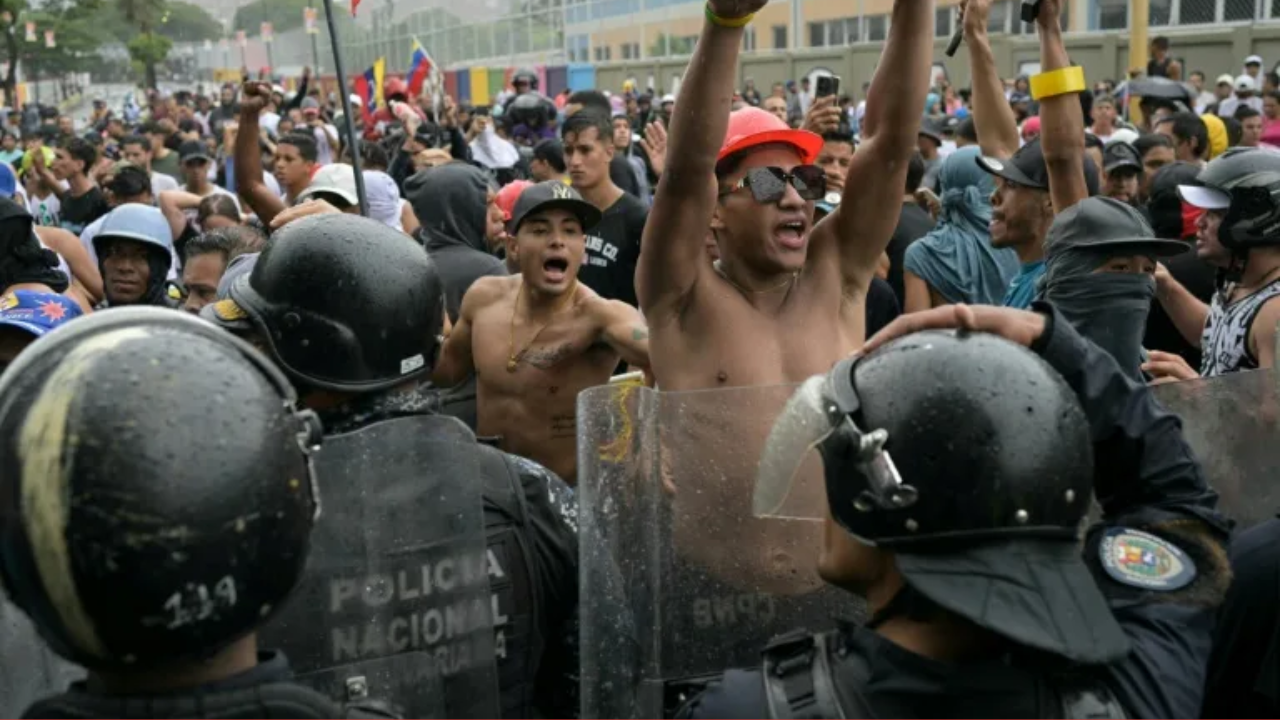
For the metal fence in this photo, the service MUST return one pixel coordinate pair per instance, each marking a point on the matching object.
(510, 33)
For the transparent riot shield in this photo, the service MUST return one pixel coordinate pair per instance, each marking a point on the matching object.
(1231, 423)
(679, 578)
(395, 605)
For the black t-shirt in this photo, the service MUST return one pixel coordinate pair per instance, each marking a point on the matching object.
(1162, 334)
(613, 249)
(78, 212)
(913, 224)
(622, 176)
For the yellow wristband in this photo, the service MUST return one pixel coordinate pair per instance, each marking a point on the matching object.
(728, 22)
(1058, 82)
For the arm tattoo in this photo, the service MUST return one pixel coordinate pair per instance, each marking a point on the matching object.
(639, 333)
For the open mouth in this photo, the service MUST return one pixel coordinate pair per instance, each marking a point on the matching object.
(555, 269)
(791, 234)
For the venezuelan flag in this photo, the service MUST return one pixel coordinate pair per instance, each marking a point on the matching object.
(420, 67)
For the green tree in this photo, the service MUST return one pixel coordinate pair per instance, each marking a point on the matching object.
(74, 33)
(147, 16)
(184, 22)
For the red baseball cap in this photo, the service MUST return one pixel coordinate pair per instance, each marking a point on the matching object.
(752, 127)
(508, 195)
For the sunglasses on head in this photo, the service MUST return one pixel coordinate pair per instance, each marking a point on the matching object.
(769, 184)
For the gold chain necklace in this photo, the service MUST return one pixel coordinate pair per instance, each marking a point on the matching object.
(513, 357)
(720, 271)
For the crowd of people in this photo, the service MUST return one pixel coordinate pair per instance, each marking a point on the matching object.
(277, 399)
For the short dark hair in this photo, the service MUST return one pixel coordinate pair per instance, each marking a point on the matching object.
(1197, 72)
(1235, 131)
(374, 156)
(1091, 140)
(841, 134)
(589, 118)
(130, 181)
(967, 130)
(915, 172)
(305, 144)
(230, 242)
(80, 149)
(1160, 42)
(217, 205)
(136, 140)
(1104, 98)
(1188, 127)
(591, 99)
(551, 152)
(1149, 141)
(153, 127)
(1244, 112)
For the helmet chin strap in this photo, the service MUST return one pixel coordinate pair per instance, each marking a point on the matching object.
(1234, 271)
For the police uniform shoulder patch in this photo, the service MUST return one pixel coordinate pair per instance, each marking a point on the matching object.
(229, 311)
(1142, 560)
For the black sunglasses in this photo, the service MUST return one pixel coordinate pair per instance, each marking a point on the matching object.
(769, 184)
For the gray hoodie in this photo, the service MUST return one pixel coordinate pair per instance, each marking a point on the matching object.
(451, 202)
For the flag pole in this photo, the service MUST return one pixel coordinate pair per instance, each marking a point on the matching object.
(348, 121)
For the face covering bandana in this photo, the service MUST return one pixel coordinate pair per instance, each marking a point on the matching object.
(1109, 309)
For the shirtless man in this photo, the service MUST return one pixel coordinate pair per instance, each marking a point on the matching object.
(537, 339)
(786, 299)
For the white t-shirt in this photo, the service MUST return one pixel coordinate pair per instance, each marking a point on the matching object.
(45, 210)
(324, 152)
(1227, 108)
(270, 121)
(161, 182)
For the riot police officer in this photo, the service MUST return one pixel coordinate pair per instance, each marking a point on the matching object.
(958, 502)
(352, 312)
(148, 535)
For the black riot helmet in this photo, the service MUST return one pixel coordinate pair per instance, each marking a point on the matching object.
(156, 491)
(525, 75)
(345, 303)
(532, 109)
(970, 459)
(1245, 182)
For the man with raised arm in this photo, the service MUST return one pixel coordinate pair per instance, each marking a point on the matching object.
(786, 299)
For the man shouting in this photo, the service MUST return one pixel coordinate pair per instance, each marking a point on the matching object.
(535, 340)
(786, 298)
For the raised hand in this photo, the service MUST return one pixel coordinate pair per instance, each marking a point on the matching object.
(654, 143)
(729, 9)
(1165, 367)
(974, 14)
(254, 97)
(823, 116)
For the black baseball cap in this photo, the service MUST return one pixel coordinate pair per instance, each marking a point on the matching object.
(1102, 222)
(1027, 168)
(1120, 154)
(553, 194)
(192, 150)
(931, 130)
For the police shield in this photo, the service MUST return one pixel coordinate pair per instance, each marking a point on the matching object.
(395, 606)
(679, 577)
(1231, 421)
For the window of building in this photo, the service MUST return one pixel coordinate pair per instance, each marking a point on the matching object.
(1161, 12)
(1113, 14)
(844, 32)
(779, 37)
(626, 51)
(749, 40)
(635, 50)
(1236, 10)
(817, 34)
(577, 47)
(877, 28)
(942, 22)
(998, 20)
(603, 53)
